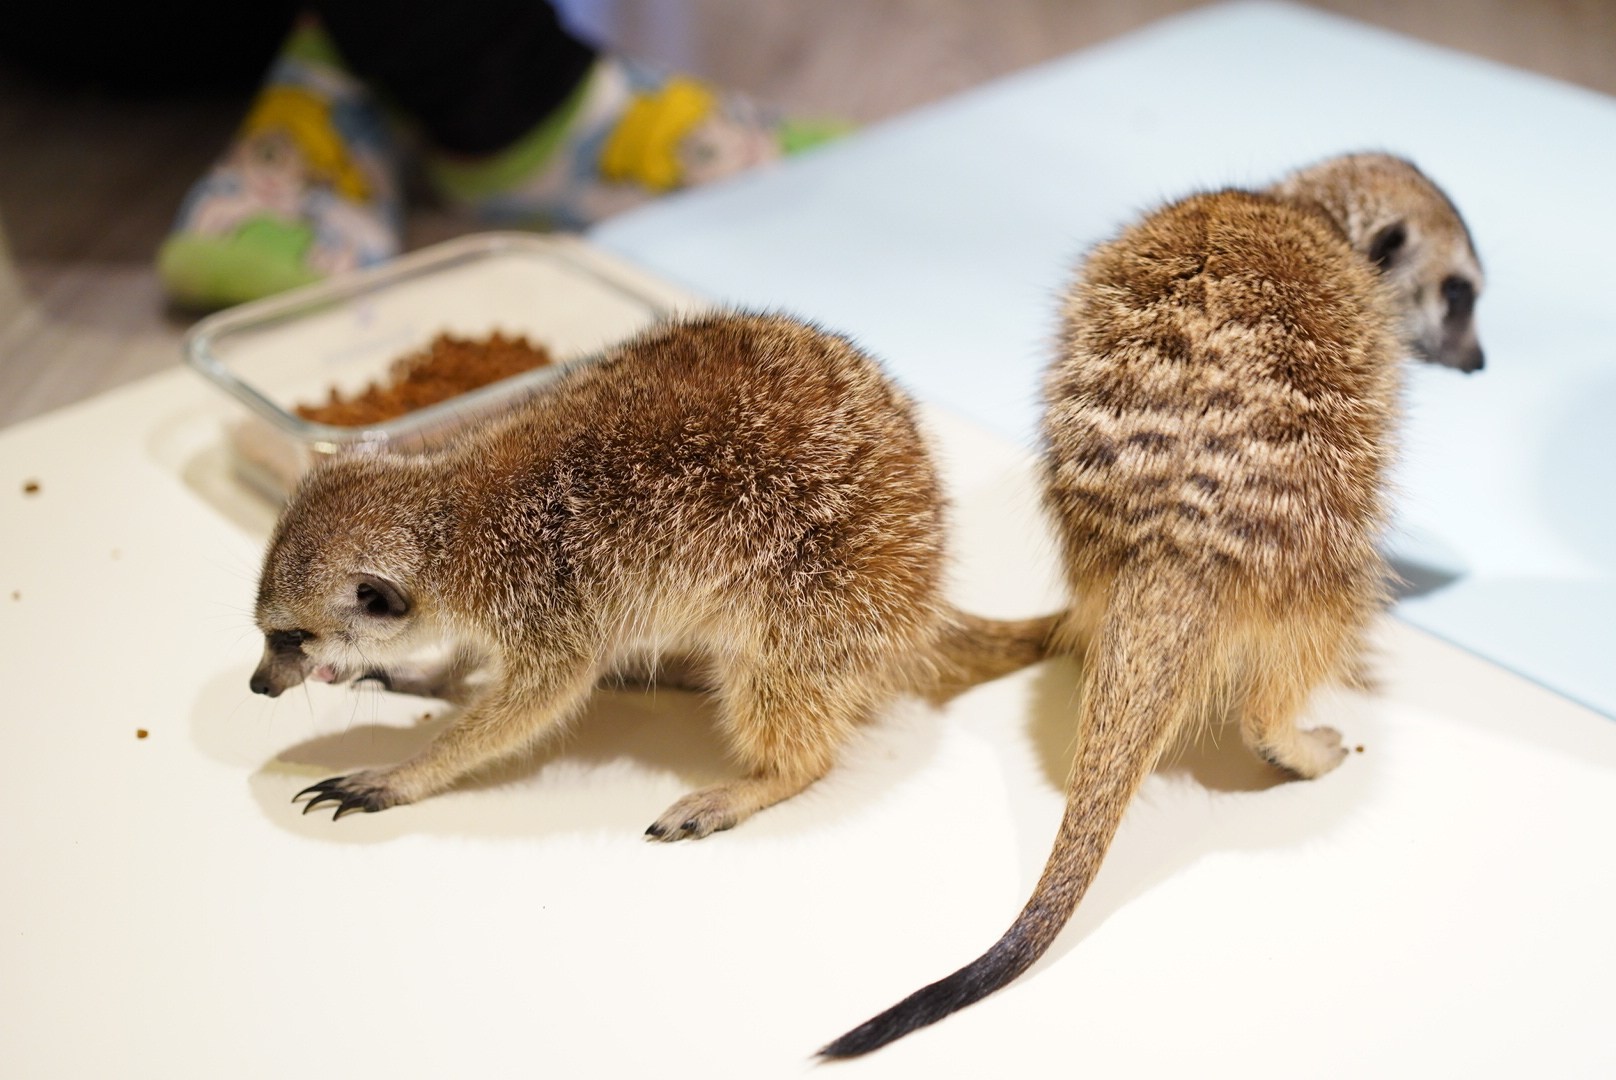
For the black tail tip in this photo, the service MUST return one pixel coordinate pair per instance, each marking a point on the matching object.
(877, 1031)
(968, 985)
(854, 1044)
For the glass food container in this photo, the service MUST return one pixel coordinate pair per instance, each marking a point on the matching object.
(343, 334)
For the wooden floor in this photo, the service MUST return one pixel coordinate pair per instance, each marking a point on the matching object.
(88, 184)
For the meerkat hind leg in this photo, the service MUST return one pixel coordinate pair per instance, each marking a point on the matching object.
(1292, 661)
(786, 732)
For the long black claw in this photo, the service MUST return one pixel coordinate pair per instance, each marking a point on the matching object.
(376, 675)
(338, 790)
(329, 796)
(655, 830)
(355, 802)
(321, 788)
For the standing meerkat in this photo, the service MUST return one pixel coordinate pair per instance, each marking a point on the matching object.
(747, 491)
(1219, 421)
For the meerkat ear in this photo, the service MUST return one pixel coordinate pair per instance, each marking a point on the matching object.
(379, 597)
(1387, 245)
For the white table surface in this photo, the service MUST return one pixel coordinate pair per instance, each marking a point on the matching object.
(942, 239)
(1439, 906)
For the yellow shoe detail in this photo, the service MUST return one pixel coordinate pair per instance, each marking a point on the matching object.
(644, 146)
(294, 114)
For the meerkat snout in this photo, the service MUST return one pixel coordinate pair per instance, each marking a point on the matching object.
(1435, 273)
(284, 664)
(1461, 350)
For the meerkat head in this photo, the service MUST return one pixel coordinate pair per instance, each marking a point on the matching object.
(1407, 227)
(343, 590)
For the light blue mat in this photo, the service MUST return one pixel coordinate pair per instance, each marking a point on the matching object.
(940, 241)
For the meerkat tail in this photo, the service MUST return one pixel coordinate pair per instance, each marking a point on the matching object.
(973, 650)
(1146, 674)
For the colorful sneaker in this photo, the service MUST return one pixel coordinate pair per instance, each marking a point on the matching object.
(626, 136)
(309, 188)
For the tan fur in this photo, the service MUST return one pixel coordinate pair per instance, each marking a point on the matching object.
(1219, 423)
(747, 495)
(1378, 199)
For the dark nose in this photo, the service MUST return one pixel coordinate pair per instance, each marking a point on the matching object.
(260, 684)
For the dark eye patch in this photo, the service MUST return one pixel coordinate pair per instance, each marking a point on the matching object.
(1383, 249)
(1460, 296)
(288, 640)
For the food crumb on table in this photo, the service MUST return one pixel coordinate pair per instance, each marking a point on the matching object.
(141, 733)
(30, 487)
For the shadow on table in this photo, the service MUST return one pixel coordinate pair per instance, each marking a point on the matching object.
(624, 760)
(1209, 795)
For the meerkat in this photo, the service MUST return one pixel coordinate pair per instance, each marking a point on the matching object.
(1218, 425)
(746, 491)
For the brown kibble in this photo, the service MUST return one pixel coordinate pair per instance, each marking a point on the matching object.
(450, 366)
(30, 487)
(141, 733)
(1359, 749)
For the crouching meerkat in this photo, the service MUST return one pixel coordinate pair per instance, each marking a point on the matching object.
(746, 491)
(1218, 425)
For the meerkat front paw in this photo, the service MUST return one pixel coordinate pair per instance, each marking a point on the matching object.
(696, 815)
(367, 791)
(442, 683)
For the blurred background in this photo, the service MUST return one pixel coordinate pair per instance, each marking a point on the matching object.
(93, 171)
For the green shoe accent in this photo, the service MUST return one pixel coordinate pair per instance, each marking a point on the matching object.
(799, 135)
(263, 257)
(467, 181)
(310, 43)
